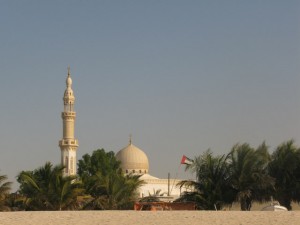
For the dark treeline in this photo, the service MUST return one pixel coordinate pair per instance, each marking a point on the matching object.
(244, 175)
(100, 184)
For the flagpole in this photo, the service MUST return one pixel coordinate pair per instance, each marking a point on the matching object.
(176, 176)
(168, 184)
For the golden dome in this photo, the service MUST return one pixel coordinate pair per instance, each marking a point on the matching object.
(133, 160)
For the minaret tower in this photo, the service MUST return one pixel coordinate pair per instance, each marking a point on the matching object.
(68, 145)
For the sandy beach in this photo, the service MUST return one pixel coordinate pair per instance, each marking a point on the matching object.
(148, 217)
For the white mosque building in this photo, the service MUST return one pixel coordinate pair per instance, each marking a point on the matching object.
(133, 160)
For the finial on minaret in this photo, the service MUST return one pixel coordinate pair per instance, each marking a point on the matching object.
(69, 80)
(130, 139)
(68, 71)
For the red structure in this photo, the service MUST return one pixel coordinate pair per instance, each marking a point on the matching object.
(164, 206)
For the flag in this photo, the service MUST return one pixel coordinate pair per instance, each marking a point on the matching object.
(186, 160)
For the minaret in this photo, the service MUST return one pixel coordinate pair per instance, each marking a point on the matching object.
(68, 145)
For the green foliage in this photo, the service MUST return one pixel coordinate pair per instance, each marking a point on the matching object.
(99, 161)
(5, 188)
(211, 190)
(241, 175)
(245, 175)
(15, 202)
(248, 174)
(47, 189)
(285, 168)
(153, 197)
(104, 181)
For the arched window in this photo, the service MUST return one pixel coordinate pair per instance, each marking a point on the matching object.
(126, 171)
(66, 164)
(140, 171)
(71, 165)
(133, 171)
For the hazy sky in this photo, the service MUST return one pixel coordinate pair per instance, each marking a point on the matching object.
(180, 76)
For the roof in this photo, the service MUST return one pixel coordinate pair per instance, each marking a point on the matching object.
(133, 159)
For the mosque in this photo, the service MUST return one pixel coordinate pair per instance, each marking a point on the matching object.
(133, 159)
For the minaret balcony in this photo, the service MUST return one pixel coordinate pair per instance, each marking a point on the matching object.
(66, 142)
(68, 113)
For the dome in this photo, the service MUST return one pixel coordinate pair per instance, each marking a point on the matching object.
(133, 160)
(69, 81)
(69, 95)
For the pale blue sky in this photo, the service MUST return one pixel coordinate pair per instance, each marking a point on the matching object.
(180, 76)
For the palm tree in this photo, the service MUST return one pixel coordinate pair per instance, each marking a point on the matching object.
(285, 168)
(153, 197)
(248, 174)
(47, 189)
(5, 187)
(157, 193)
(104, 181)
(15, 202)
(65, 193)
(211, 189)
(113, 191)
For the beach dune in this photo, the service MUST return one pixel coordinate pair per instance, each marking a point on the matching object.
(149, 217)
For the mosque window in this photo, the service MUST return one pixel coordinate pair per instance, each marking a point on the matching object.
(66, 164)
(133, 171)
(71, 165)
(140, 171)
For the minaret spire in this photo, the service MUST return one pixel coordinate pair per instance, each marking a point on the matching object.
(68, 145)
(68, 71)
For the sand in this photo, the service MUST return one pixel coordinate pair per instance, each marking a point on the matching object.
(148, 217)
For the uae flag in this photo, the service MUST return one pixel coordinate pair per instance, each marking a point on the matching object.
(186, 160)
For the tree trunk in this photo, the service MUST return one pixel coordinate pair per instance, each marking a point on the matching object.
(246, 204)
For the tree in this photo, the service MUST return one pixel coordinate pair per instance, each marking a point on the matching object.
(15, 202)
(211, 189)
(115, 191)
(5, 187)
(99, 161)
(154, 197)
(104, 181)
(47, 189)
(248, 174)
(285, 168)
